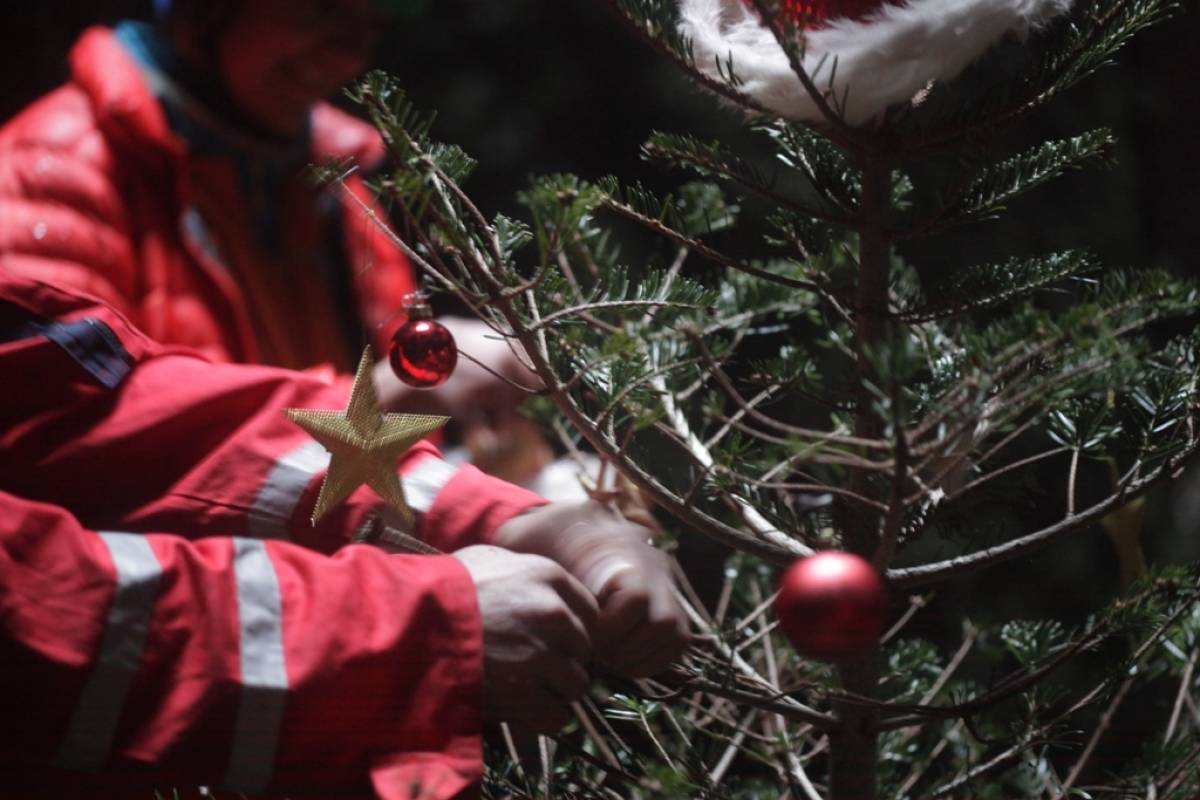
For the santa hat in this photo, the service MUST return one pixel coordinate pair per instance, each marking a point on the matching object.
(873, 58)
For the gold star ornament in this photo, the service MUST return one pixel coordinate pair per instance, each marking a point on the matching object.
(365, 444)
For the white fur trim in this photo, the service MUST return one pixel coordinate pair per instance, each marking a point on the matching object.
(884, 59)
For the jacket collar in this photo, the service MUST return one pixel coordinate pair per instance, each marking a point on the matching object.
(126, 110)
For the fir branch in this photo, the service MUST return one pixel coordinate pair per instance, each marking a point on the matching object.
(775, 701)
(753, 519)
(1085, 48)
(1030, 676)
(1130, 489)
(1101, 321)
(593, 306)
(812, 488)
(1000, 410)
(890, 527)
(1185, 685)
(1001, 760)
(1174, 779)
(712, 161)
(988, 192)
(1102, 727)
(827, 167)
(1002, 471)
(985, 286)
(628, 211)
(837, 129)
(777, 550)
(821, 437)
(793, 770)
(653, 22)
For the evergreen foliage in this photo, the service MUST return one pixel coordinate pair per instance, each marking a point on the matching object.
(778, 378)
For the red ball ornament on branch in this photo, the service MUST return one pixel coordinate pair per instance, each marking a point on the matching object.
(831, 605)
(422, 353)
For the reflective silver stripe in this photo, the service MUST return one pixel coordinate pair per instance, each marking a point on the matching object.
(423, 482)
(264, 676)
(277, 499)
(89, 735)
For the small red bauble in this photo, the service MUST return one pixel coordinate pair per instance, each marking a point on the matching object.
(815, 13)
(831, 605)
(423, 352)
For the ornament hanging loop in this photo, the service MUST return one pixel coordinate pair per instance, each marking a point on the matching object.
(416, 306)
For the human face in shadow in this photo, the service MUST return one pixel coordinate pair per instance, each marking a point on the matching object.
(279, 57)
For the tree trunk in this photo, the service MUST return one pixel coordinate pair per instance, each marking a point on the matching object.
(854, 746)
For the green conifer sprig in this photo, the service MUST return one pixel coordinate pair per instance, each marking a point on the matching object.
(988, 192)
(654, 21)
(824, 164)
(984, 286)
(1069, 53)
(712, 160)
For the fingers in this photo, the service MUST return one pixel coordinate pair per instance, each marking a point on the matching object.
(584, 614)
(545, 706)
(566, 679)
(540, 700)
(537, 710)
(538, 622)
(642, 631)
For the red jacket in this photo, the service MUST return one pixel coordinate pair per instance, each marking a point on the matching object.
(97, 193)
(231, 651)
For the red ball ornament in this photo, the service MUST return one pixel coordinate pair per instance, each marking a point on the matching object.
(831, 605)
(815, 13)
(423, 352)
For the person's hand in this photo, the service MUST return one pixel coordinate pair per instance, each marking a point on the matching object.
(537, 634)
(641, 629)
(472, 395)
(473, 389)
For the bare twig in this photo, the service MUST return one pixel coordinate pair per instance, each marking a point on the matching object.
(1175, 778)
(1024, 462)
(601, 305)
(889, 535)
(1185, 687)
(706, 252)
(1101, 727)
(1031, 99)
(735, 745)
(793, 430)
(717, 87)
(776, 702)
(919, 771)
(1072, 474)
(915, 604)
(1002, 760)
(838, 130)
(980, 559)
(503, 378)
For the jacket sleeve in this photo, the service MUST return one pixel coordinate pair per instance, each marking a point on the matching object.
(234, 662)
(131, 436)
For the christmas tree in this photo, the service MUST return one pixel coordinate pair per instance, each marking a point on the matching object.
(778, 378)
